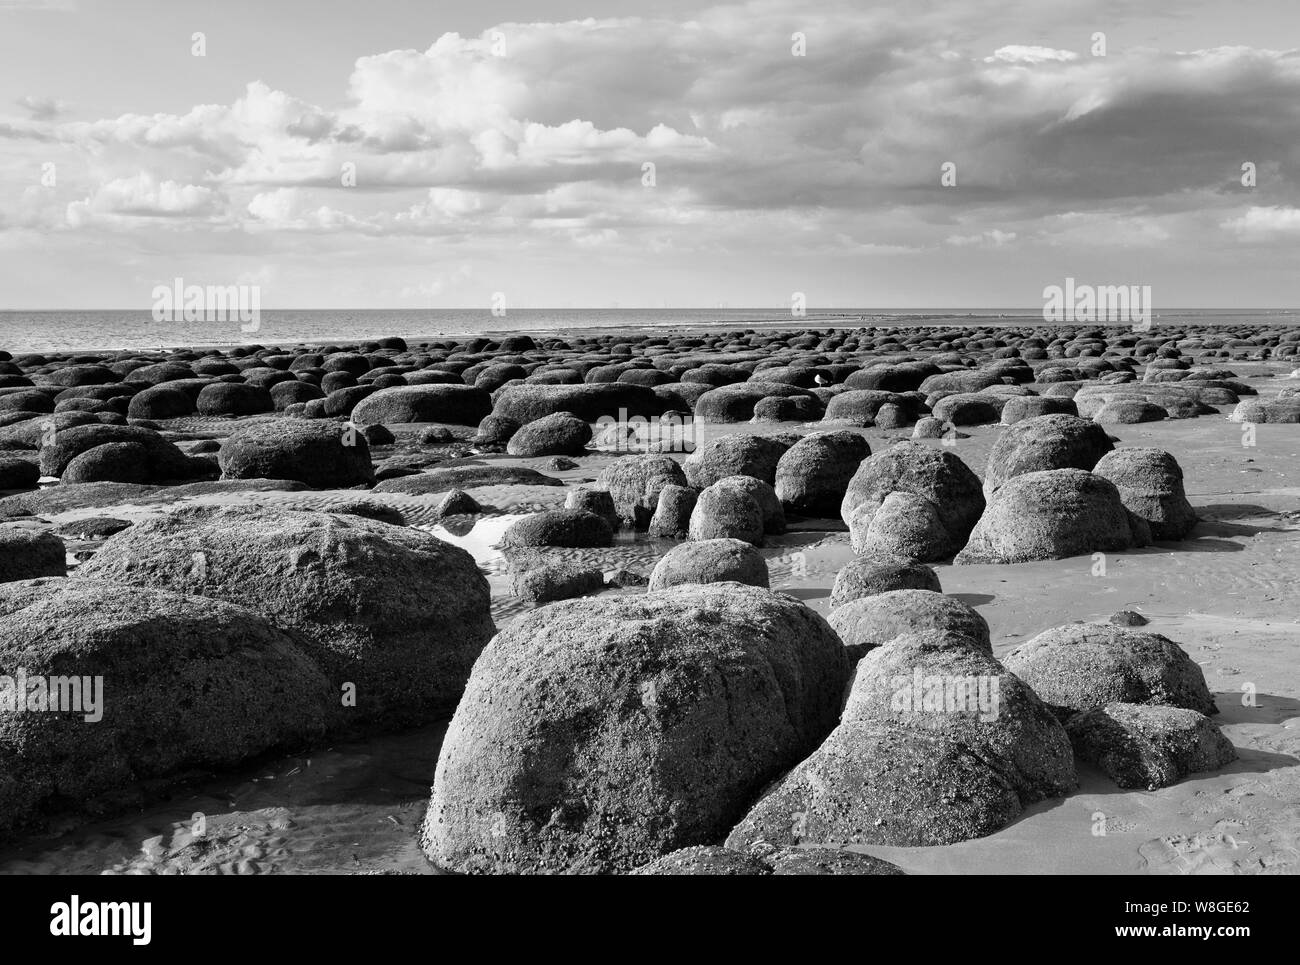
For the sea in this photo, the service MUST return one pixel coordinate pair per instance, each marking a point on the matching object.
(63, 331)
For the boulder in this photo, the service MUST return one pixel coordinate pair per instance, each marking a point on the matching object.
(968, 409)
(321, 455)
(1148, 747)
(937, 744)
(185, 683)
(672, 515)
(634, 483)
(813, 474)
(933, 476)
(18, 473)
(872, 621)
(734, 455)
(596, 501)
(559, 527)
(26, 554)
(537, 580)
(710, 561)
(235, 399)
(553, 435)
(596, 735)
(1045, 442)
(1086, 665)
(736, 403)
(462, 405)
(1150, 484)
(589, 402)
(162, 459)
(1019, 408)
(870, 575)
(1053, 515)
(393, 615)
(725, 511)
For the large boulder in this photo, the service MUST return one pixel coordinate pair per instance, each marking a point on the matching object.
(968, 409)
(285, 394)
(937, 744)
(559, 527)
(26, 554)
(322, 455)
(1023, 407)
(813, 474)
(710, 561)
(869, 575)
(596, 735)
(167, 683)
(538, 580)
(553, 435)
(634, 483)
(1053, 515)
(892, 377)
(170, 400)
(733, 455)
(1128, 410)
(1045, 442)
(589, 402)
(162, 459)
(763, 494)
(862, 407)
(461, 405)
(873, 621)
(121, 462)
(596, 501)
(904, 525)
(18, 473)
(393, 615)
(1285, 410)
(924, 475)
(235, 398)
(725, 511)
(1150, 484)
(672, 515)
(1086, 665)
(736, 403)
(1148, 747)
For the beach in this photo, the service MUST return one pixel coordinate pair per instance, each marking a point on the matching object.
(343, 796)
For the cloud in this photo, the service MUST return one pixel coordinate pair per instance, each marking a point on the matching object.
(1265, 224)
(1020, 54)
(536, 135)
(42, 108)
(992, 238)
(143, 196)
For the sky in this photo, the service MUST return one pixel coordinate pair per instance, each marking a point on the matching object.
(569, 153)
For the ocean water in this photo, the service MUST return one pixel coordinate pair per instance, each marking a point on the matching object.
(49, 331)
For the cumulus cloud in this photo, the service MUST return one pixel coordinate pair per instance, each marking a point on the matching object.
(1265, 224)
(143, 196)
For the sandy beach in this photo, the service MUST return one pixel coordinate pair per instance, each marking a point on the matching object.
(345, 802)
